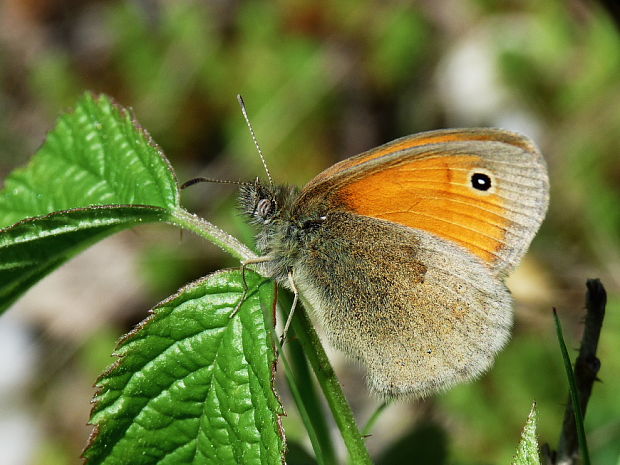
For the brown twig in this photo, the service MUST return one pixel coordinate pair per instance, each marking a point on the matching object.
(587, 366)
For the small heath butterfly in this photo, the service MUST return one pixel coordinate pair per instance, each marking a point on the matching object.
(402, 251)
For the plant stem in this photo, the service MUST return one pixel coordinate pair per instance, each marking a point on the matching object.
(374, 417)
(338, 404)
(300, 379)
(212, 233)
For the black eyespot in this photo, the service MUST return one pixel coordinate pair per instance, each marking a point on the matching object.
(481, 181)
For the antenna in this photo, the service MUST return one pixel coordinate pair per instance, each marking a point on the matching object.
(193, 181)
(260, 152)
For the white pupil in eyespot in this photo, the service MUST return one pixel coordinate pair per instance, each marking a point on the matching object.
(481, 181)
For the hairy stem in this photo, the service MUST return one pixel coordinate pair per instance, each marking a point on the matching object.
(212, 233)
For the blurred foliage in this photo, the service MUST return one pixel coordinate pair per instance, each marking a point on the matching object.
(323, 81)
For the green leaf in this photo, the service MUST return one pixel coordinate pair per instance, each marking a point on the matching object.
(96, 155)
(97, 173)
(527, 451)
(32, 248)
(192, 384)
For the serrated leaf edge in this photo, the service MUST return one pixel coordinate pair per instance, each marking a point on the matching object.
(530, 424)
(130, 114)
(32, 219)
(120, 354)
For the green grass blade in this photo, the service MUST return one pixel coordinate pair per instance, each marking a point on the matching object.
(574, 393)
(370, 424)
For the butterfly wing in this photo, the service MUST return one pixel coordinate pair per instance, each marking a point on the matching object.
(486, 190)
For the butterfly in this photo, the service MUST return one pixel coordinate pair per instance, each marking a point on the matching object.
(401, 252)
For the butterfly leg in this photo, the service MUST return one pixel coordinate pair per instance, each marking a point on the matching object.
(244, 264)
(290, 314)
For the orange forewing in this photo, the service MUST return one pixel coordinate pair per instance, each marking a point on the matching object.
(433, 194)
(410, 142)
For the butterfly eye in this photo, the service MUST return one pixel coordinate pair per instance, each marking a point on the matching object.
(481, 181)
(263, 208)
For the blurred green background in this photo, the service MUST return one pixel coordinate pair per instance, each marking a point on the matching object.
(322, 81)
